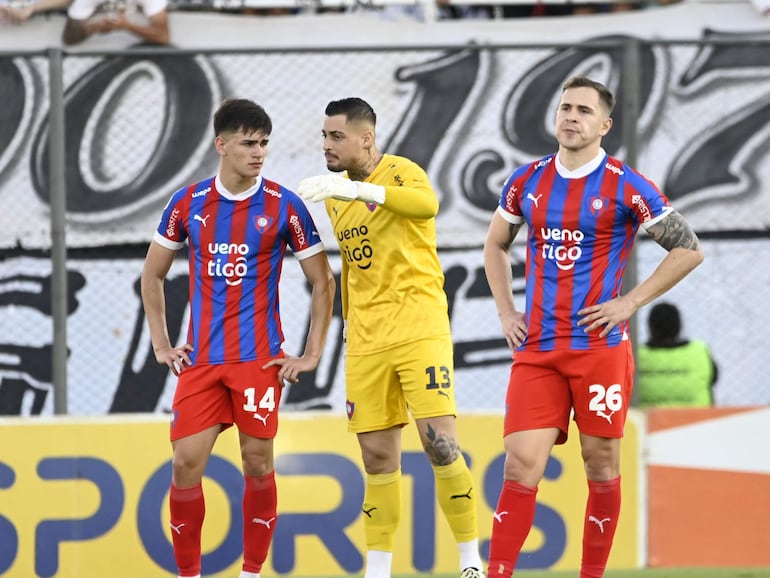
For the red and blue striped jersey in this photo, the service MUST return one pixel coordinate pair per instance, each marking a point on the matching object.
(236, 248)
(581, 229)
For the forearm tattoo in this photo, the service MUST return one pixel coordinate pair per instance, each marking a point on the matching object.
(673, 231)
(441, 449)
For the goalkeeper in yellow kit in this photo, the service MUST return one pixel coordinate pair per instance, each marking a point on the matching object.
(399, 347)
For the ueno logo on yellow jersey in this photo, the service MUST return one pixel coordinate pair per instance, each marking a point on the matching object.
(356, 247)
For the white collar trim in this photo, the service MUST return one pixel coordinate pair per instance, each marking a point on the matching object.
(580, 172)
(240, 196)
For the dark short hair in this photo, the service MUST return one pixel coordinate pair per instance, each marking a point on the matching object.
(236, 114)
(664, 322)
(605, 95)
(354, 108)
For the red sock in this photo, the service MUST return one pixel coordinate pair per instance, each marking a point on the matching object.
(187, 511)
(602, 512)
(512, 522)
(260, 512)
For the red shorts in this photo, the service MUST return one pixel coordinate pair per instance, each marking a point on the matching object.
(546, 386)
(240, 393)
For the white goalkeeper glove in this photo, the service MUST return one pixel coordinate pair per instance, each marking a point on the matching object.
(336, 187)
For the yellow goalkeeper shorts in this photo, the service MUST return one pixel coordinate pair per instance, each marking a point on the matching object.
(383, 388)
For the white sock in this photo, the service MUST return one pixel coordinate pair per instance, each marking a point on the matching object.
(378, 564)
(245, 574)
(469, 555)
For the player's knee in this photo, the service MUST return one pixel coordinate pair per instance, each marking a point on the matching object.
(602, 460)
(187, 470)
(257, 457)
(525, 468)
(378, 461)
(256, 468)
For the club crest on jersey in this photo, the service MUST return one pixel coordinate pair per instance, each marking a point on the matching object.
(371, 206)
(350, 407)
(597, 204)
(262, 222)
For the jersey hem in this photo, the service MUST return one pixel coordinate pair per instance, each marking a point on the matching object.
(395, 345)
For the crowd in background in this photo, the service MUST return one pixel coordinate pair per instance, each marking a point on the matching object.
(147, 18)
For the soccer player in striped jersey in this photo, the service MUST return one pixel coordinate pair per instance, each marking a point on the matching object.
(399, 356)
(571, 345)
(237, 226)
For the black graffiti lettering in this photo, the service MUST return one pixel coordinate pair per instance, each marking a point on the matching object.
(190, 99)
(34, 362)
(715, 61)
(486, 352)
(718, 160)
(454, 277)
(310, 392)
(14, 393)
(442, 88)
(35, 291)
(481, 353)
(16, 96)
(24, 371)
(476, 181)
(140, 390)
(527, 116)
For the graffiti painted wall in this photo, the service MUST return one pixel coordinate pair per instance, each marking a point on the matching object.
(456, 97)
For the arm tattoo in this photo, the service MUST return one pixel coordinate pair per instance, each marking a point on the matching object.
(513, 230)
(673, 231)
(441, 449)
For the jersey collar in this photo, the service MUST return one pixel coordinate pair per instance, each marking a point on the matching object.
(580, 172)
(240, 196)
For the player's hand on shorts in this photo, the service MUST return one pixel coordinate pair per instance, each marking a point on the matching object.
(324, 187)
(176, 358)
(606, 315)
(292, 366)
(514, 329)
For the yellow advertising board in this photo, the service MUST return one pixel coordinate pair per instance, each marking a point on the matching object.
(89, 499)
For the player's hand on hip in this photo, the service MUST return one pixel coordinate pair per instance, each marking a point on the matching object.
(606, 315)
(514, 329)
(292, 367)
(176, 358)
(324, 187)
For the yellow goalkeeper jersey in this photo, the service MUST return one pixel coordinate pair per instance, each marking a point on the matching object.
(392, 283)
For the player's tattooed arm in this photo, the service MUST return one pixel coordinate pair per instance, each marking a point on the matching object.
(513, 230)
(673, 231)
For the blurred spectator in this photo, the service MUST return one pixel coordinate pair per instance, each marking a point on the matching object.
(624, 6)
(20, 13)
(538, 8)
(448, 10)
(674, 371)
(152, 27)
